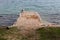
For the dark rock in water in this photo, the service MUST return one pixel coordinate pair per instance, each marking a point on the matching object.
(22, 10)
(7, 28)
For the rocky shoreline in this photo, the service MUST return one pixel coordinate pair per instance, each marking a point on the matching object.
(11, 19)
(30, 18)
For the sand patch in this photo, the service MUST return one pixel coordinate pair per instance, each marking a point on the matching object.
(29, 20)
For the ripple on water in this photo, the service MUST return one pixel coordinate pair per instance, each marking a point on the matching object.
(54, 18)
(8, 19)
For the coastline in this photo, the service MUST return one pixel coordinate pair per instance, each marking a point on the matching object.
(22, 21)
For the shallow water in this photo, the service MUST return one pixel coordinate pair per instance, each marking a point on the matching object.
(8, 19)
(48, 9)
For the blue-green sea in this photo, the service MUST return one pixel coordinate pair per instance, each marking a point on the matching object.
(49, 10)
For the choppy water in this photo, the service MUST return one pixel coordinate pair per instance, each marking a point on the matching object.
(8, 19)
(48, 9)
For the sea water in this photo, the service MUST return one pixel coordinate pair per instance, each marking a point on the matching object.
(49, 10)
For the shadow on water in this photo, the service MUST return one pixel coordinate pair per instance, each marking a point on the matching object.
(8, 19)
